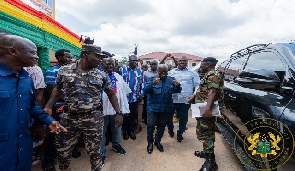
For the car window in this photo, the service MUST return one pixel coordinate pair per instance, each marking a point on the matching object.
(265, 60)
(233, 68)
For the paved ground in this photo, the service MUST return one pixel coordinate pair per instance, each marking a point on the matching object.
(176, 156)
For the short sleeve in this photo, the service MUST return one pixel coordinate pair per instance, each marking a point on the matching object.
(213, 81)
(50, 77)
(37, 77)
(107, 84)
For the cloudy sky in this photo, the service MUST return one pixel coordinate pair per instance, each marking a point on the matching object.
(199, 27)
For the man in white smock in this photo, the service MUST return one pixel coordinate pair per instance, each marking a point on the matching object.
(121, 89)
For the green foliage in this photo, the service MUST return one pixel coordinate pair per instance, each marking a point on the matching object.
(123, 61)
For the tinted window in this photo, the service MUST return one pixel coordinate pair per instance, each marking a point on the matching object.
(265, 60)
(235, 66)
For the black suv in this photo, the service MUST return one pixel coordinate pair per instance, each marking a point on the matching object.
(258, 120)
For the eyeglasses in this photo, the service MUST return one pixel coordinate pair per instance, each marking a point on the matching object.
(163, 72)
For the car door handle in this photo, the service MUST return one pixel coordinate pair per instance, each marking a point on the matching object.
(231, 96)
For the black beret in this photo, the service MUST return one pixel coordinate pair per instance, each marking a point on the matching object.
(91, 48)
(210, 59)
(107, 54)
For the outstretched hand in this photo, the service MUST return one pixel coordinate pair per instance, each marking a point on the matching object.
(55, 127)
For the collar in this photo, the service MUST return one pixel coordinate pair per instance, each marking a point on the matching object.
(57, 65)
(5, 71)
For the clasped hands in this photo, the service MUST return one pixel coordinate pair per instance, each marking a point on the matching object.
(157, 81)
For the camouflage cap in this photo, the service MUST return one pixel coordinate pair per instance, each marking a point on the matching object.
(91, 48)
(210, 59)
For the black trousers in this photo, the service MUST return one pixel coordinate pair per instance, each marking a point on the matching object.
(156, 119)
(129, 121)
(50, 152)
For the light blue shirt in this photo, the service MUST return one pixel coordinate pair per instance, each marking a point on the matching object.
(189, 81)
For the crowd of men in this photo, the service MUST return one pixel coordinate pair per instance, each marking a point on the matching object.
(91, 99)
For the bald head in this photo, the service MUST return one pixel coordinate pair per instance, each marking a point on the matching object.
(108, 64)
(17, 52)
(162, 71)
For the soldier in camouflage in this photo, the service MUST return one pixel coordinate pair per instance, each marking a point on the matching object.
(83, 83)
(210, 90)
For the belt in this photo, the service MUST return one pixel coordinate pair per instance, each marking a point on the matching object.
(80, 112)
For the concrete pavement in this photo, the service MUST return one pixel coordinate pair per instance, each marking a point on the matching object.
(176, 156)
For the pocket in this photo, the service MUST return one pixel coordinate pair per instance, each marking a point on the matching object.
(157, 90)
(3, 144)
(4, 101)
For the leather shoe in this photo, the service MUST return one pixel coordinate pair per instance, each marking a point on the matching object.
(132, 135)
(159, 146)
(200, 154)
(125, 136)
(150, 148)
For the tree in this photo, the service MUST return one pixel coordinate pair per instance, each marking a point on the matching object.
(123, 61)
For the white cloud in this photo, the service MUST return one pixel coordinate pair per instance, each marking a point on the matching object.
(200, 27)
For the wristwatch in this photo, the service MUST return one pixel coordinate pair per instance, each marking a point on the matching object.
(119, 113)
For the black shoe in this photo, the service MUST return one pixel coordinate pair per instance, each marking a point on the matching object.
(200, 154)
(171, 133)
(76, 153)
(119, 149)
(125, 136)
(159, 146)
(210, 164)
(150, 148)
(132, 135)
(179, 138)
(102, 160)
(49, 168)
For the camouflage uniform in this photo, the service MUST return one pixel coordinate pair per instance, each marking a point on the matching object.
(205, 129)
(83, 113)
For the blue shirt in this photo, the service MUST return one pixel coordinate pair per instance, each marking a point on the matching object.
(18, 105)
(134, 79)
(50, 79)
(159, 96)
(188, 80)
(51, 75)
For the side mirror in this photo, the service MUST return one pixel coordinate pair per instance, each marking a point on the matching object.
(261, 79)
